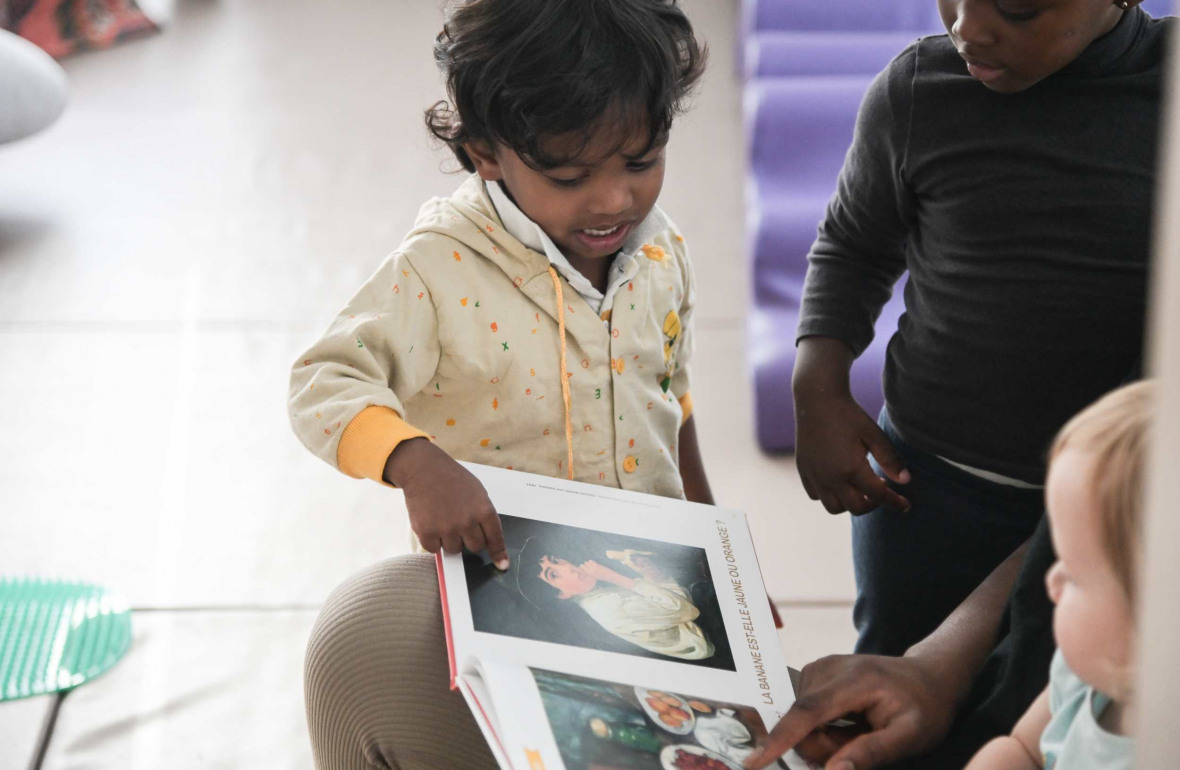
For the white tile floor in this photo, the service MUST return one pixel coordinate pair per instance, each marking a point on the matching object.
(208, 200)
(186, 697)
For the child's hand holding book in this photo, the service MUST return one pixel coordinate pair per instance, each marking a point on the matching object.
(449, 509)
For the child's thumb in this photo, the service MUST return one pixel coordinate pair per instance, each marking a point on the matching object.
(887, 456)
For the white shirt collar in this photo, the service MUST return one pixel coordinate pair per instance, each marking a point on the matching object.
(529, 233)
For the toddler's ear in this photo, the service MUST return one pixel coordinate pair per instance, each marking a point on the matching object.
(484, 158)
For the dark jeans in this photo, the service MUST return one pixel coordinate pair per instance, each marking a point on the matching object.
(913, 569)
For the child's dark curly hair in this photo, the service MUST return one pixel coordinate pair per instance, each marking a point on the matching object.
(519, 72)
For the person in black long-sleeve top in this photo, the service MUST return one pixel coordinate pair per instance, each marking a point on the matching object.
(1023, 214)
(1010, 167)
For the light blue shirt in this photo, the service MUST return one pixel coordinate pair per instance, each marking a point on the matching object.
(1073, 739)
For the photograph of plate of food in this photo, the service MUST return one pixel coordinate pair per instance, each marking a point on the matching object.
(684, 756)
(667, 710)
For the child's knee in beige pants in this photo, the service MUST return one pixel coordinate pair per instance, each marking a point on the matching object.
(376, 679)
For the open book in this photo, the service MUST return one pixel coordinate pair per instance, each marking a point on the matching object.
(631, 632)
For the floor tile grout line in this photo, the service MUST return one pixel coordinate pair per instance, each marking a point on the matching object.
(177, 325)
(260, 608)
(147, 746)
(166, 326)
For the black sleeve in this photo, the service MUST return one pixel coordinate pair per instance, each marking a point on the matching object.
(860, 250)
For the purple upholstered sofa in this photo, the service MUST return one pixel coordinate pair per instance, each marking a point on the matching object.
(813, 117)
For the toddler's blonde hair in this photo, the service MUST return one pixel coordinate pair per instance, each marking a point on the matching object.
(1115, 431)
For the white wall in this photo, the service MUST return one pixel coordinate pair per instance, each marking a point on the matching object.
(1158, 743)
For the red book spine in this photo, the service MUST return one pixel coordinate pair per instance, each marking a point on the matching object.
(446, 613)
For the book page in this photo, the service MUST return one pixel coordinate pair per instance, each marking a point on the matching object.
(582, 723)
(474, 688)
(618, 585)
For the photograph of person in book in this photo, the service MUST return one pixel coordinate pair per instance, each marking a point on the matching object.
(607, 726)
(585, 588)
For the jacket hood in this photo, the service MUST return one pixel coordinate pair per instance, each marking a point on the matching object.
(469, 217)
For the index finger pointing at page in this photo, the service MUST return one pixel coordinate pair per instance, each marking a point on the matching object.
(494, 535)
(805, 715)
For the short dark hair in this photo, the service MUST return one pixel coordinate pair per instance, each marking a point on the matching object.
(521, 71)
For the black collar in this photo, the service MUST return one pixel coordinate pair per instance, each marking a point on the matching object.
(1111, 53)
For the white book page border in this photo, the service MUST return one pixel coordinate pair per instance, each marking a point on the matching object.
(761, 677)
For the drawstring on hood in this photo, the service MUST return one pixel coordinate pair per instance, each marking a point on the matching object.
(471, 218)
(565, 379)
(468, 217)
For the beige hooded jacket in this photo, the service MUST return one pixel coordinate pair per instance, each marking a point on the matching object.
(459, 337)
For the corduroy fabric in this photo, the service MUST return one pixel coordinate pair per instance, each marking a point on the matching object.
(376, 678)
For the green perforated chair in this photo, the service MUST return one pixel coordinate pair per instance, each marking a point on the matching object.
(55, 635)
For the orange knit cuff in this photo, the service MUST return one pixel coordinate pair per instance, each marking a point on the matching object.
(685, 407)
(369, 439)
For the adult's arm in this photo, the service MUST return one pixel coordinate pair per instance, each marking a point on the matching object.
(908, 703)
